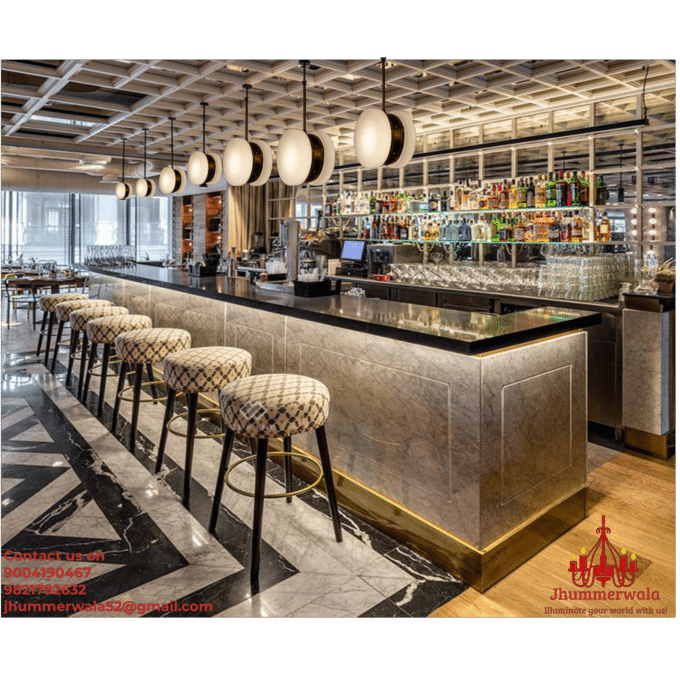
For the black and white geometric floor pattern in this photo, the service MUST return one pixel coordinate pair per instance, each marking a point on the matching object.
(70, 486)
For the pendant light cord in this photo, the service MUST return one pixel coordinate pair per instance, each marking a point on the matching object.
(144, 153)
(644, 87)
(246, 87)
(204, 104)
(304, 95)
(123, 161)
(172, 142)
(383, 61)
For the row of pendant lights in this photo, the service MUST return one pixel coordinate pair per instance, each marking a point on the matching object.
(380, 138)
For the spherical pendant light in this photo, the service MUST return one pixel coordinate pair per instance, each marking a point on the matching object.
(302, 157)
(382, 138)
(247, 161)
(123, 188)
(204, 168)
(172, 180)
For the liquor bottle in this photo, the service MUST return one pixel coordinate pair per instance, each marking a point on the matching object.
(512, 195)
(539, 200)
(493, 199)
(553, 229)
(562, 190)
(444, 202)
(371, 203)
(604, 231)
(577, 229)
(585, 188)
(550, 192)
(518, 232)
(432, 203)
(601, 192)
(522, 195)
(531, 194)
(574, 191)
(565, 228)
(504, 194)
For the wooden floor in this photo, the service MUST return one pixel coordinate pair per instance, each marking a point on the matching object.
(637, 496)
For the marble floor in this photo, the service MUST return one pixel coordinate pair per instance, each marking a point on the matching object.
(69, 485)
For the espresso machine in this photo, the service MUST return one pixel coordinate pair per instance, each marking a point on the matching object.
(382, 255)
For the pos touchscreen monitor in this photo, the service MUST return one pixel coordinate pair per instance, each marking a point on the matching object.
(353, 250)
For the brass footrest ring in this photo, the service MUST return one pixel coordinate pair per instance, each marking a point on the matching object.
(98, 364)
(184, 415)
(144, 384)
(243, 492)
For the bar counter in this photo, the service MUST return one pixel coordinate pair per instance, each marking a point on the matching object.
(462, 434)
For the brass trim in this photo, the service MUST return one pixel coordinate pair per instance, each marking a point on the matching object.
(258, 161)
(144, 384)
(660, 446)
(184, 415)
(292, 454)
(178, 181)
(397, 139)
(316, 166)
(212, 168)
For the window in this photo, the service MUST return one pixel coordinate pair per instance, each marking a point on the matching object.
(154, 220)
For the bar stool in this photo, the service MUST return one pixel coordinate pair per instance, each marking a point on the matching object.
(192, 371)
(62, 312)
(263, 407)
(139, 348)
(105, 330)
(78, 320)
(47, 305)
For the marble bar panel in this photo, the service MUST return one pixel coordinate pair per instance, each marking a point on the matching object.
(478, 445)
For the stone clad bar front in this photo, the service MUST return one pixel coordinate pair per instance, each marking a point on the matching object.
(461, 433)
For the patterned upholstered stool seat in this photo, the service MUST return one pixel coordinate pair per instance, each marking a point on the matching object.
(151, 345)
(104, 330)
(205, 369)
(271, 406)
(201, 369)
(48, 304)
(78, 320)
(79, 317)
(64, 309)
(262, 407)
(62, 312)
(141, 348)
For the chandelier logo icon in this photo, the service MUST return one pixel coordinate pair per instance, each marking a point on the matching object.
(610, 566)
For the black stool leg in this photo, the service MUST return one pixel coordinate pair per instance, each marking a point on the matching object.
(88, 374)
(260, 478)
(288, 467)
(83, 361)
(60, 331)
(219, 487)
(102, 385)
(136, 395)
(192, 406)
(72, 350)
(149, 372)
(43, 323)
(49, 338)
(328, 479)
(169, 405)
(119, 388)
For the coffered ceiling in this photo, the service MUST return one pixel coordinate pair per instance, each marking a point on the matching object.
(79, 111)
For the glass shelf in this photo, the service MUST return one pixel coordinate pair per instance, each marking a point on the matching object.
(470, 212)
(513, 243)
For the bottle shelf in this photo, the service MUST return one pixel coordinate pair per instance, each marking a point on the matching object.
(470, 212)
(513, 243)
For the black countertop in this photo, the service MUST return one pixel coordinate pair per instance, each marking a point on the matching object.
(464, 332)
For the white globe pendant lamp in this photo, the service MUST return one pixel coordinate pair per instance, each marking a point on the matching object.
(205, 169)
(172, 180)
(145, 187)
(303, 157)
(123, 188)
(247, 161)
(382, 138)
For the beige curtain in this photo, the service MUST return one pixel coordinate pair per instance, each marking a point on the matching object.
(246, 213)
